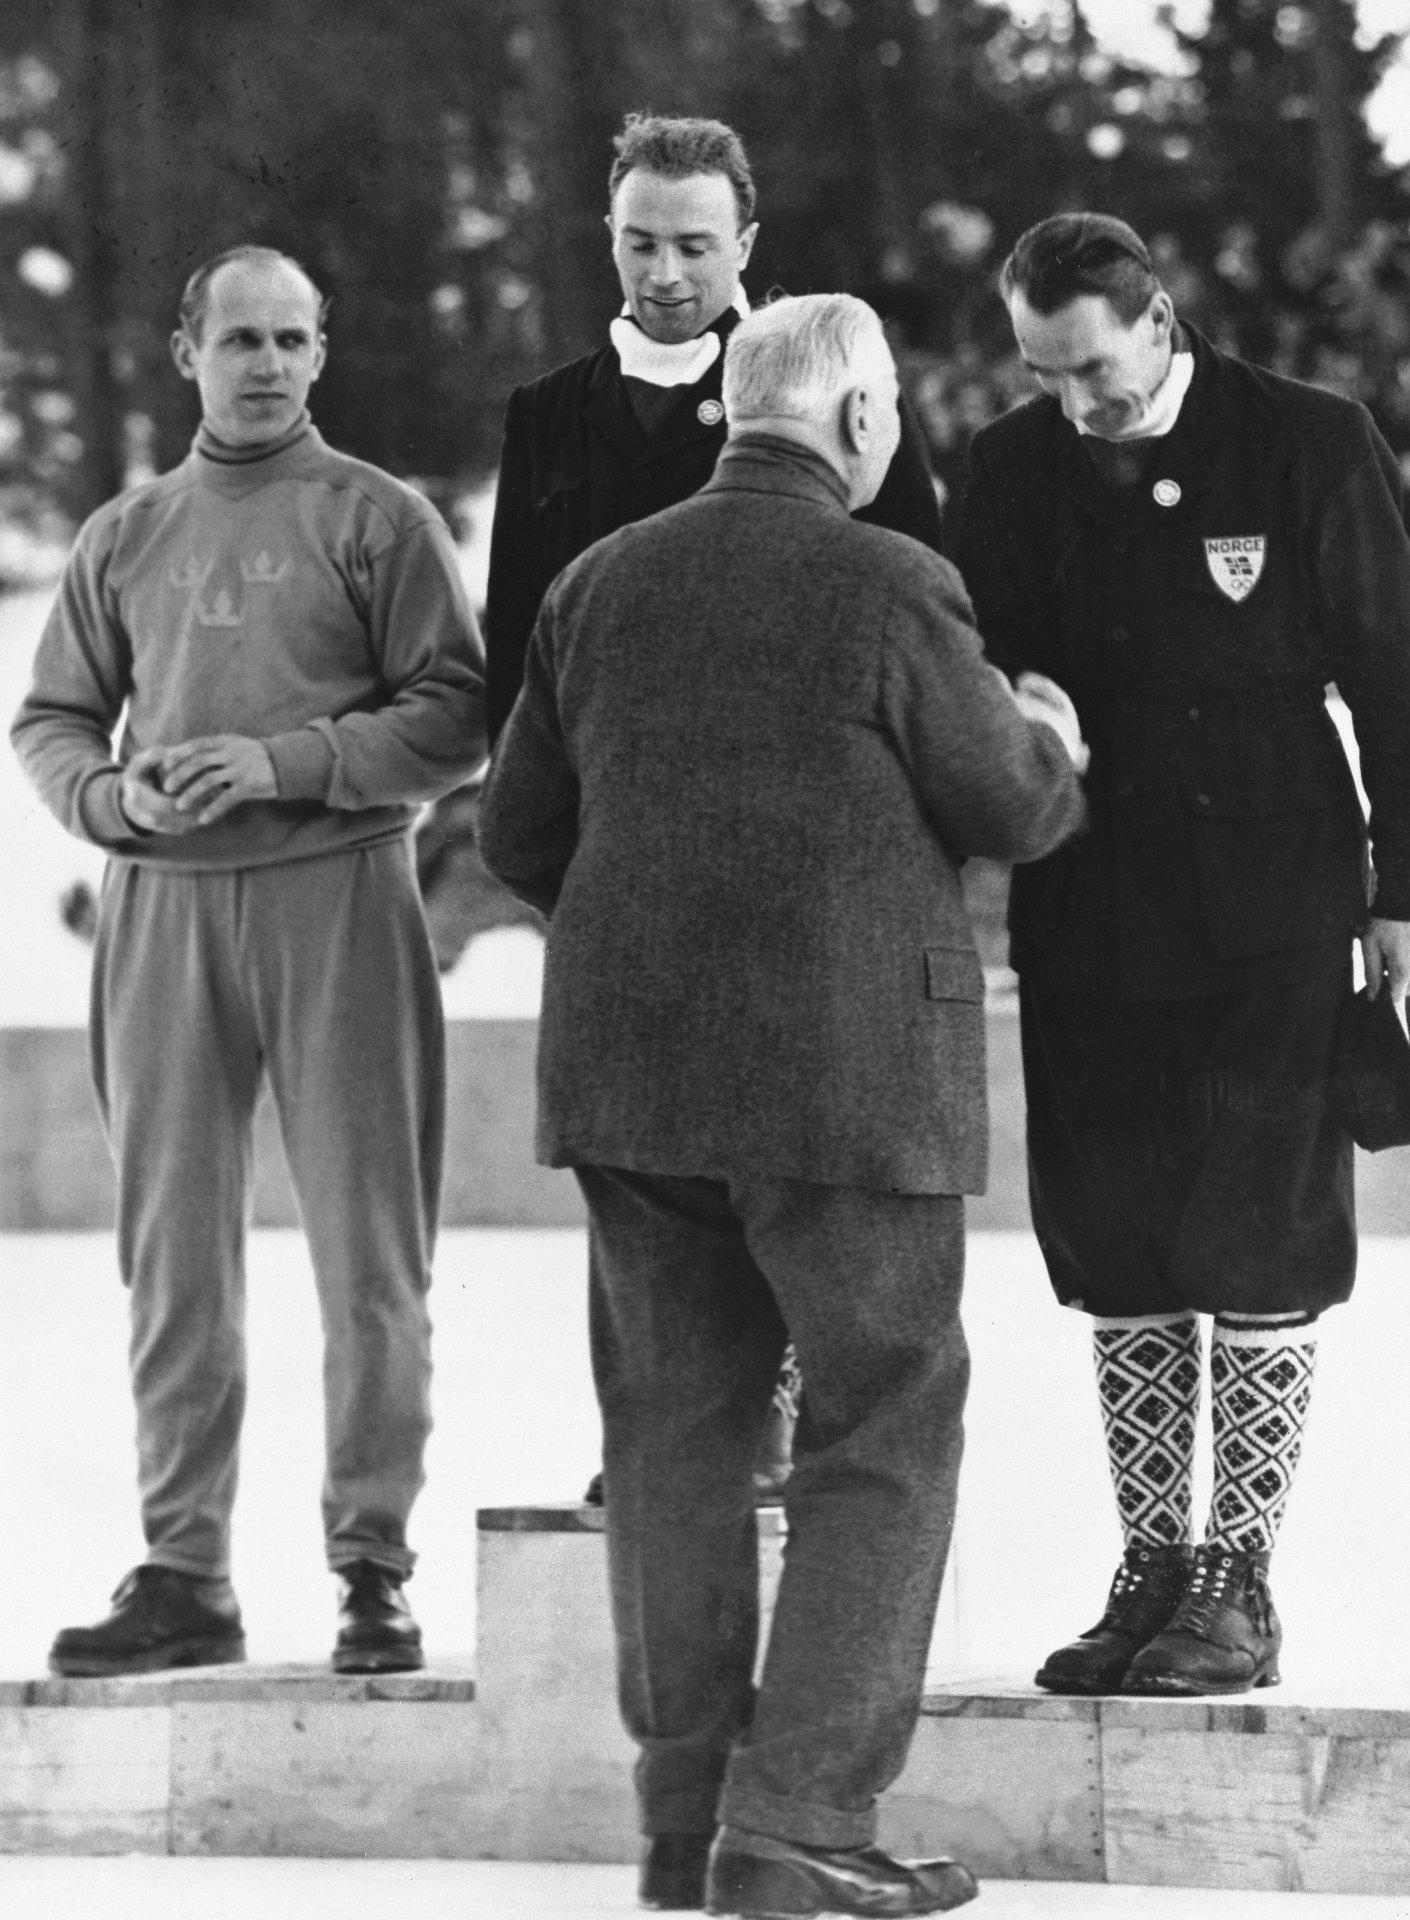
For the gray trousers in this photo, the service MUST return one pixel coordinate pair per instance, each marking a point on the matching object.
(318, 975)
(696, 1287)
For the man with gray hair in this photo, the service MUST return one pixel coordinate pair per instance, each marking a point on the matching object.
(755, 739)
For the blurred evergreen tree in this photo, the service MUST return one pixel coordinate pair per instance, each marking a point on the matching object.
(362, 136)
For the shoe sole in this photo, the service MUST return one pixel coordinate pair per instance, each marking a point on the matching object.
(193, 1653)
(404, 1660)
(1051, 1685)
(817, 1909)
(1159, 1686)
(819, 1912)
(1176, 1686)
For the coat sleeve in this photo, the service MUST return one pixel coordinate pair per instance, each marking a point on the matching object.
(82, 676)
(906, 500)
(529, 810)
(429, 736)
(984, 541)
(516, 567)
(1363, 559)
(991, 782)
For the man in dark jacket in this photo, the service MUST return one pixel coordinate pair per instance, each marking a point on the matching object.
(638, 425)
(1193, 548)
(755, 738)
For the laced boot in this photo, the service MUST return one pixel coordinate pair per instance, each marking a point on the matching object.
(1144, 1595)
(1224, 1637)
(160, 1618)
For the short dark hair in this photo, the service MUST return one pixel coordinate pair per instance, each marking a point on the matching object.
(195, 296)
(680, 147)
(1075, 253)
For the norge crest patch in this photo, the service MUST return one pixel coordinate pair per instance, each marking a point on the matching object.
(1235, 562)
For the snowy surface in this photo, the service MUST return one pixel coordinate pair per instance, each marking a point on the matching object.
(176, 1889)
(44, 968)
(516, 1423)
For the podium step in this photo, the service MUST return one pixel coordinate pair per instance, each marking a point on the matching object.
(527, 1761)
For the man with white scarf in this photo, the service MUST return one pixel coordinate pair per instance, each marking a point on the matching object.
(637, 426)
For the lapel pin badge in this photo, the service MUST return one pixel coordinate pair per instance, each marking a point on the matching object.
(710, 413)
(1167, 493)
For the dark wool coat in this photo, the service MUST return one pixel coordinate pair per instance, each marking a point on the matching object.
(1196, 638)
(577, 465)
(754, 740)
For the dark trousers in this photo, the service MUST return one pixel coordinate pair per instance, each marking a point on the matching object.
(696, 1286)
(1187, 1154)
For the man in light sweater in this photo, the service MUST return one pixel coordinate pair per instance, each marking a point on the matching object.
(287, 630)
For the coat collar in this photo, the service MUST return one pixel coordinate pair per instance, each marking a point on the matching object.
(1184, 458)
(608, 410)
(768, 463)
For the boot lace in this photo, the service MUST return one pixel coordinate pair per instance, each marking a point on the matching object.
(1137, 1572)
(1213, 1585)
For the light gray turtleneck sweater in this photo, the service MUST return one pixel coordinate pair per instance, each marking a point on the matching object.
(288, 593)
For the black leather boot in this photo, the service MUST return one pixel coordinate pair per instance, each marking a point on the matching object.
(760, 1878)
(376, 1631)
(1148, 1587)
(673, 1871)
(1225, 1636)
(160, 1618)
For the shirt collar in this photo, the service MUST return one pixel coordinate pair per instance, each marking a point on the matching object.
(669, 364)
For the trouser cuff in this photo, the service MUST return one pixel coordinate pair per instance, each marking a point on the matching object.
(181, 1563)
(401, 1564)
(807, 1823)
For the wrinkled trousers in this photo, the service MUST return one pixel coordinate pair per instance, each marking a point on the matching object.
(696, 1287)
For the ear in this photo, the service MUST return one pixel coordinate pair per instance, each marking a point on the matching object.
(855, 420)
(747, 237)
(183, 352)
(1162, 314)
(320, 355)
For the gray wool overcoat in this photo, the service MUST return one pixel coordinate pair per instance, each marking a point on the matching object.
(755, 741)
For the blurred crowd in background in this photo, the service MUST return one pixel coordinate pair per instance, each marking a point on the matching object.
(441, 170)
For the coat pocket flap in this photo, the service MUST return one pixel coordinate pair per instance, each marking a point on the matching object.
(953, 973)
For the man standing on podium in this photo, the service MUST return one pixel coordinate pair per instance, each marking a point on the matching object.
(284, 635)
(1193, 547)
(638, 425)
(754, 741)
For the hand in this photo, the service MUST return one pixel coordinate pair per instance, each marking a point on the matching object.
(217, 773)
(1040, 698)
(1385, 948)
(141, 799)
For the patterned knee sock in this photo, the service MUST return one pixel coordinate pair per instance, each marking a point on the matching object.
(1148, 1382)
(1260, 1373)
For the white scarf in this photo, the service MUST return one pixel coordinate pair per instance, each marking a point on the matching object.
(1162, 410)
(664, 364)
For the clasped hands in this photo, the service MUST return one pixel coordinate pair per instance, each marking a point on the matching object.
(1040, 698)
(176, 789)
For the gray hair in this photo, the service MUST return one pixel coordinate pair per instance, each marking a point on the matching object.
(795, 357)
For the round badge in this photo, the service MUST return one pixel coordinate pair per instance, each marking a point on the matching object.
(1167, 493)
(709, 413)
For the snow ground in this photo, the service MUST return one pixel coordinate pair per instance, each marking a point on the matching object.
(165, 1889)
(516, 1423)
